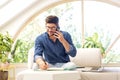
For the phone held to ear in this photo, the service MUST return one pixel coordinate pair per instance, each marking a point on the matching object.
(56, 34)
(57, 29)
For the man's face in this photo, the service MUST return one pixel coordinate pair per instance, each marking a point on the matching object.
(51, 28)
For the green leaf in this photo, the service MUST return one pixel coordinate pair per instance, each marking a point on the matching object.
(93, 42)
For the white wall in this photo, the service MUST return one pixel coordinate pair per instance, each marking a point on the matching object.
(18, 20)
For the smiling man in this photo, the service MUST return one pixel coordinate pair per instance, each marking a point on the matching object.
(53, 48)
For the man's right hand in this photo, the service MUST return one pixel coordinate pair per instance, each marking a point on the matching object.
(42, 64)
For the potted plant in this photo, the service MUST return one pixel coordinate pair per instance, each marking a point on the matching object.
(5, 47)
(93, 42)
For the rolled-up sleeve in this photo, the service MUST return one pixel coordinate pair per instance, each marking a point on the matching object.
(38, 49)
(72, 51)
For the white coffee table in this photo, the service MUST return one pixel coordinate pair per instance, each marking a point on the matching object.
(48, 75)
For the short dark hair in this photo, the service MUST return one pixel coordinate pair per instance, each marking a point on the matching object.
(52, 19)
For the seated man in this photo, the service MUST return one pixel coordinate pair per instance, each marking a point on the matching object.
(53, 48)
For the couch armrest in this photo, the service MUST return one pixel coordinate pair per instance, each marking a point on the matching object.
(30, 58)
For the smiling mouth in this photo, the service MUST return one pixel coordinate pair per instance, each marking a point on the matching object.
(51, 34)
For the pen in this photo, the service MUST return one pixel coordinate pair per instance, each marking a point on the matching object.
(44, 61)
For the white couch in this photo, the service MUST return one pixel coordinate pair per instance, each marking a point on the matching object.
(90, 59)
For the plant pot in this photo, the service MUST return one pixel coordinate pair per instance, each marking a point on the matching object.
(3, 75)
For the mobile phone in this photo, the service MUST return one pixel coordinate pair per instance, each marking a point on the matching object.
(55, 32)
(57, 29)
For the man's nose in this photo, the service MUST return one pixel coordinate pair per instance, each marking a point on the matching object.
(49, 29)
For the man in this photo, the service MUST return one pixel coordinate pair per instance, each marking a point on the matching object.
(53, 48)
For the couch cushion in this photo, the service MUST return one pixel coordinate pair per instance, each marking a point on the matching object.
(98, 75)
(87, 57)
(48, 75)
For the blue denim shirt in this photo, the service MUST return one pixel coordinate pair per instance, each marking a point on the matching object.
(53, 52)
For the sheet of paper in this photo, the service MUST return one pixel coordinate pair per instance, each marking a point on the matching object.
(52, 69)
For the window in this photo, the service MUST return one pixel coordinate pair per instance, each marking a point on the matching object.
(104, 18)
(98, 17)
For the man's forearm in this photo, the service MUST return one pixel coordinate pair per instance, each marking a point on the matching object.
(66, 45)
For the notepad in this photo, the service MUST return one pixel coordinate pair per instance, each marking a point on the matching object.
(68, 66)
(55, 69)
(52, 69)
